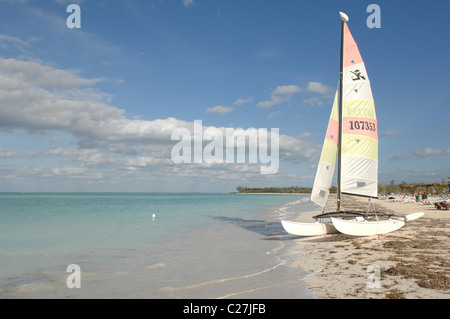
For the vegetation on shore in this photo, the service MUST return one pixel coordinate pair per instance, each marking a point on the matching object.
(413, 188)
(292, 189)
(392, 187)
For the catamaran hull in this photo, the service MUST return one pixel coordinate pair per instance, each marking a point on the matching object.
(367, 228)
(413, 216)
(370, 228)
(308, 229)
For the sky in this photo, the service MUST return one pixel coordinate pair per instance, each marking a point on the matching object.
(93, 108)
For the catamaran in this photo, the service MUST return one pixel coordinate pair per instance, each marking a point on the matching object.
(352, 138)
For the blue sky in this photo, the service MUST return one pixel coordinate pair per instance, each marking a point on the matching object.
(92, 109)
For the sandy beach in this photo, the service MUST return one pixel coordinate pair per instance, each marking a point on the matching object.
(411, 263)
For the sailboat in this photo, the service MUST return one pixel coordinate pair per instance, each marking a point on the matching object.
(352, 138)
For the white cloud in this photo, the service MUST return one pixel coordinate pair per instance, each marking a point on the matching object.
(274, 101)
(188, 3)
(21, 45)
(106, 147)
(299, 149)
(39, 98)
(241, 101)
(316, 87)
(430, 152)
(220, 109)
(286, 90)
(284, 93)
(280, 94)
(37, 74)
(273, 114)
(313, 101)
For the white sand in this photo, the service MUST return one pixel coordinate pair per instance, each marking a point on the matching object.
(413, 262)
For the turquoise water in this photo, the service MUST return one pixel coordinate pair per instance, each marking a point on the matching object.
(132, 245)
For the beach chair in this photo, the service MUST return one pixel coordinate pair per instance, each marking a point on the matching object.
(398, 199)
(431, 202)
(442, 205)
(409, 199)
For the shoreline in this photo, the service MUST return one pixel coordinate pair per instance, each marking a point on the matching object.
(272, 193)
(412, 262)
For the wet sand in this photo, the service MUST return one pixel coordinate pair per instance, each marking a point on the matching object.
(412, 262)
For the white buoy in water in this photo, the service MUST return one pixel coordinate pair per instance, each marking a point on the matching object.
(153, 216)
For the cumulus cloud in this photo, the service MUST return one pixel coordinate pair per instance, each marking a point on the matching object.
(106, 147)
(284, 93)
(280, 94)
(220, 109)
(299, 149)
(286, 90)
(273, 114)
(314, 101)
(39, 98)
(241, 101)
(316, 87)
(43, 76)
(6, 41)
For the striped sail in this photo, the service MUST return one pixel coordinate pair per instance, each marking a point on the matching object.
(359, 168)
(327, 162)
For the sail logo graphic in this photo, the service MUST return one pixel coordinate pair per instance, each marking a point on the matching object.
(227, 146)
(358, 75)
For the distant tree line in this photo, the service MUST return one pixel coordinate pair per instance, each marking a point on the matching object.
(392, 187)
(413, 188)
(291, 189)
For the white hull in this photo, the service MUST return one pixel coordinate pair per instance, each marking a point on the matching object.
(367, 228)
(308, 229)
(370, 228)
(413, 216)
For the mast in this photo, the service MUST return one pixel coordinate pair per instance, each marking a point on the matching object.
(344, 19)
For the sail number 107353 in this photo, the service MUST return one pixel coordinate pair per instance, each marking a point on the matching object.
(363, 125)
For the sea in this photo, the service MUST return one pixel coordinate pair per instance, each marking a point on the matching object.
(148, 246)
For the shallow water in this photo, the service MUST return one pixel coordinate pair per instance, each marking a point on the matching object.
(147, 246)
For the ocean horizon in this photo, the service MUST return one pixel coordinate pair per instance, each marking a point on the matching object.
(147, 245)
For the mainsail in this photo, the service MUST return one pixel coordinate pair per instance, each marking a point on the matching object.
(359, 168)
(359, 141)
